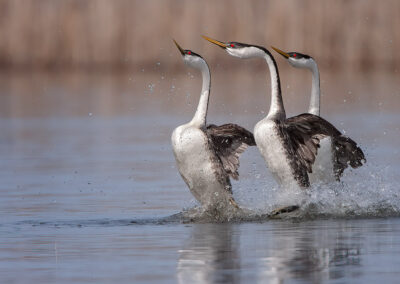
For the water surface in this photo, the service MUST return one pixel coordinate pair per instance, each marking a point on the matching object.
(88, 179)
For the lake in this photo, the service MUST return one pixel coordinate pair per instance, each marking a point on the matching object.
(89, 185)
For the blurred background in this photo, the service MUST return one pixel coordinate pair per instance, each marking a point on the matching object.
(99, 34)
(117, 57)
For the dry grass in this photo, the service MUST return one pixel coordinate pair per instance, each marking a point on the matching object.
(104, 34)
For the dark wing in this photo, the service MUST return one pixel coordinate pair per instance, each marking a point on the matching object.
(315, 124)
(345, 153)
(301, 137)
(229, 141)
(305, 131)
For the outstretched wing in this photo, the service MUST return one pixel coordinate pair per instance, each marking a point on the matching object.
(229, 141)
(345, 153)
(304, 133)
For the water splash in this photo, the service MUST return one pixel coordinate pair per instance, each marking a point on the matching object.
(362, 193)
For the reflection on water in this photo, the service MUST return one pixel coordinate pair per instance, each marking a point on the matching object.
(319, 251)
(311, 252)
(210, 255)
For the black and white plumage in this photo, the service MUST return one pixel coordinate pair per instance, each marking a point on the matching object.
(299, 60)
(208, 155)
(344, 152)
(290, 146)
(229, 141)
(337, 151)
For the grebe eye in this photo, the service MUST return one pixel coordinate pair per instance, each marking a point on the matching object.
(295, 55)
(232, 45)
(189, 52)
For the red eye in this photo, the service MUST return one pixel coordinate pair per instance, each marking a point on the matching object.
(294, 55)
(189, 52)
(232, 45)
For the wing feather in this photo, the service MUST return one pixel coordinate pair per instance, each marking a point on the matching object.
(228, 142)
(304, 133)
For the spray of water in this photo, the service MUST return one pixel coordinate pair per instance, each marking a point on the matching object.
(368, 193)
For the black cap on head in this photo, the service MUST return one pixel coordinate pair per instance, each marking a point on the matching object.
(298, 55)
(186, 51)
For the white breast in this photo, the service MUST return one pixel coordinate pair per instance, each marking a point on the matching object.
(271, 146)
(197, 165)
(323, 165)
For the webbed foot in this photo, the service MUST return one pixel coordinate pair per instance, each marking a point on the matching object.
(286, 209)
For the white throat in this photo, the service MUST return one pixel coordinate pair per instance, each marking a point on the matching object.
(276, 109)
(314, 107)
(199, 118)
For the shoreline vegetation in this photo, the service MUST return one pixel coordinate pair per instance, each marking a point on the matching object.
(357, 35)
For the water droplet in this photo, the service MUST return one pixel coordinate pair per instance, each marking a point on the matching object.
(151, 87)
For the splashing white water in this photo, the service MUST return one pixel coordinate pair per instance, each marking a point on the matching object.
(367, 192)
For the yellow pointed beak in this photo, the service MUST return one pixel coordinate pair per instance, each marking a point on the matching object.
(221, 44)
(180, 48)
(284, 54)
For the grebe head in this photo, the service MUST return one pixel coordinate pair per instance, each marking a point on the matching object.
(297, 59)
(237, 49)
(191, 58)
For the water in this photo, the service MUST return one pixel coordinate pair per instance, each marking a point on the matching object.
(88, 182)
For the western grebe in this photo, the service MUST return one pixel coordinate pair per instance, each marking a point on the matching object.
(207, 155)
(331, 160)
(299, 60)
(289, 145)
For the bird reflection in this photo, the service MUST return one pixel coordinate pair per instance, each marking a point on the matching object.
(279, 251)
(210, 255)
(308, 255)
